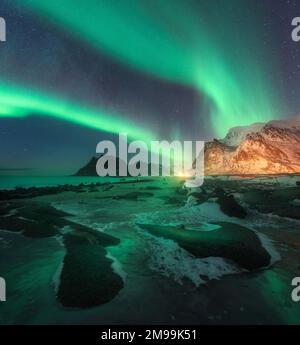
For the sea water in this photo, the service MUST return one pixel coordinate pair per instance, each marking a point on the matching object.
(11, 182)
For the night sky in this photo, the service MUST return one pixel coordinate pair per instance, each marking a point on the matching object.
(74, 72)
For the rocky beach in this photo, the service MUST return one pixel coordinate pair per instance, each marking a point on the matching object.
(97, 252)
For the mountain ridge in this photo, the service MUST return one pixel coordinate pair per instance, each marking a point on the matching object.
(270, 148)
(257, 149)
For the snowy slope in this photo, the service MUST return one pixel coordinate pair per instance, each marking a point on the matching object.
(237, 134)
(270, 148)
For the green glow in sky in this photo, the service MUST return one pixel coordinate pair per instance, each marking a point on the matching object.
(18, 102)
(214, 46)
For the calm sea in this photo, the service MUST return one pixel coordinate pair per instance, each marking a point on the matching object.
(11, 182)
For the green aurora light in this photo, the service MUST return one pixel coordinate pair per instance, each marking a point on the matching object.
(212, 46)
(18, 102)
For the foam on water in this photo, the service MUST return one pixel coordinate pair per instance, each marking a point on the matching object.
(117, 267)
(269, 247)
(77, 208)
(169, 259)
(257, 219)
(187, 215)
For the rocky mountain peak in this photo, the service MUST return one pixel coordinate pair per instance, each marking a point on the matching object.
(270, 148)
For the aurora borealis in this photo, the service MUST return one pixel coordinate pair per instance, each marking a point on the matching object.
(19, 103)
(154, 69)
(183, 42)
(149, 165)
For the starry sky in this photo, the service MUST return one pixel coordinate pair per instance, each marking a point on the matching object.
(74, 72)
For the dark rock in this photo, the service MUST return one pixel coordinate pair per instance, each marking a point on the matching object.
(231, 241)
(229, 205)
(87, 279)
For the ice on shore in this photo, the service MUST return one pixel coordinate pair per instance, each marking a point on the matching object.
(117, 267)
(169, 259)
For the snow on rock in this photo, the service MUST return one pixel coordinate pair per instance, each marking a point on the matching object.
(272, 148)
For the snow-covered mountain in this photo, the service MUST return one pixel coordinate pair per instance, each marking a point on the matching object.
(269, 148)
(237, 134)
